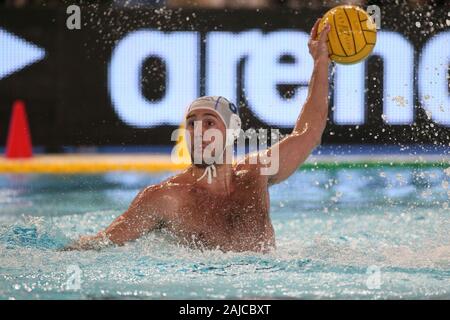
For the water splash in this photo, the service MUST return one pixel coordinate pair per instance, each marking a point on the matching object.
(320, 254)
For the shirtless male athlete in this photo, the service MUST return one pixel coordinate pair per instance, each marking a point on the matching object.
(231, 211)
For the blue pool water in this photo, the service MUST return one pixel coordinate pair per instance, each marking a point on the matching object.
(376, 233)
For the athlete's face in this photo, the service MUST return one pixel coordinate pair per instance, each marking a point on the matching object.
(204, 128)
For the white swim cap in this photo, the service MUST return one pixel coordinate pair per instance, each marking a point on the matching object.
(224, 109)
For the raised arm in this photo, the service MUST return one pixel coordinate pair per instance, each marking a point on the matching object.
(307, 134)
(142, 216)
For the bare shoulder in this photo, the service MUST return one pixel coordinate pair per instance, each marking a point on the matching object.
(166, 195)
(249, 168)
(167, 186)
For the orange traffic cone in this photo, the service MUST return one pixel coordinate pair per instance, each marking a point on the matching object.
(19, 138)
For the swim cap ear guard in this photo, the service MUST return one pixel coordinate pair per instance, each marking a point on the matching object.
(233, 130)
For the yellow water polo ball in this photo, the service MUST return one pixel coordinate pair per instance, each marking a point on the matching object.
(352, 36)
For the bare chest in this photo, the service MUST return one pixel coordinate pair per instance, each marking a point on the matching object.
(236, 221)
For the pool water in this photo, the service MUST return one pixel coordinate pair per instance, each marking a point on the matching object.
(376, 233)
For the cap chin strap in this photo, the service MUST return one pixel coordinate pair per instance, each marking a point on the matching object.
(210, 171)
